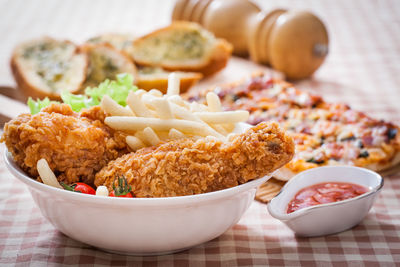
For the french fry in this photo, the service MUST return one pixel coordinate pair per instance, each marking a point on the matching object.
(134, 143)
(156, 93)
(46, 174)
(102, 191)
(162, 117)
(173, 84)
(223, 117)
(147, 100)
(219, 128)
(184, 114)
(138, 123)
(196, 107)
(136, 105)
(141, 136)
(140, 92)
(213, 102)
(162, 108)
(174, 134)
(113, 108)
(176, 99)
(228, 127)
(151, 136)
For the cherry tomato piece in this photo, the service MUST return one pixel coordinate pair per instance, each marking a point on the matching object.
(80, 188)
(123, 189)
(84, 188)
(128, 195)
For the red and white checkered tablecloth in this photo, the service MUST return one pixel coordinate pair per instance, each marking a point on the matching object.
(363, 69)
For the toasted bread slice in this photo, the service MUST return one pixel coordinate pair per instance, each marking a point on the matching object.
(156, 78)
(46, 67)
(182, 46)
(269, 190)
(122, 42)
(105, 62)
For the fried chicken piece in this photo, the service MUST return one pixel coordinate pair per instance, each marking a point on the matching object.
(76, 145)
(187, 167)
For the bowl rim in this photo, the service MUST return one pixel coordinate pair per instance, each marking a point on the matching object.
(306, 210)
(177, 200)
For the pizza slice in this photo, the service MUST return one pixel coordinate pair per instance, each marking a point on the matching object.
(324, 133)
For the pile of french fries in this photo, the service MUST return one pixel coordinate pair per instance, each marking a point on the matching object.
(152, 117)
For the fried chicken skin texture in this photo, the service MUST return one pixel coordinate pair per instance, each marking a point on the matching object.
(187, 167)
(76, 145)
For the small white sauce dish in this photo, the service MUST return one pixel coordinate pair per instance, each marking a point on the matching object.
(327, 218)
(140, 226)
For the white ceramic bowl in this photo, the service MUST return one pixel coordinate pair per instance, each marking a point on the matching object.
(332, 217)
(140, 225)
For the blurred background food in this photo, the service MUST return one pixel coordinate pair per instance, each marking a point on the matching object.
(120, 41)
(105, 62)
(294, 42)
(156, 77)
(342, 71)
(46, 67)
(146, 77)
(182, 46)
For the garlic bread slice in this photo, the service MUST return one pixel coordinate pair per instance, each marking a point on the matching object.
(105, 62)
(156, 78)
(46, 67)
(183, 46)
(120, 41)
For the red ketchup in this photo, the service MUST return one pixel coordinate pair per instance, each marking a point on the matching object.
(324, 193)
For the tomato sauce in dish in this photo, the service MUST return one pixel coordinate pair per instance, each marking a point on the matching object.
(324, 193)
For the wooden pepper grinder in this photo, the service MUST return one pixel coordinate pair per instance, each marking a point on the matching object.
(293, 42)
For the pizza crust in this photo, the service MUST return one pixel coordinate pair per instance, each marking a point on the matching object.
(379, 167)
(285, 174)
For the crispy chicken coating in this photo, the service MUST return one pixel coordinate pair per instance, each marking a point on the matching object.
(186, 167)
(76, 145)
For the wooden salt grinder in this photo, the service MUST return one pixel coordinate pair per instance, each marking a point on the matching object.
(293, 42)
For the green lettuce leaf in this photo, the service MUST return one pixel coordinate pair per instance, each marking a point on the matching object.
(77, 102)
(117, 90)
(36, 106)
